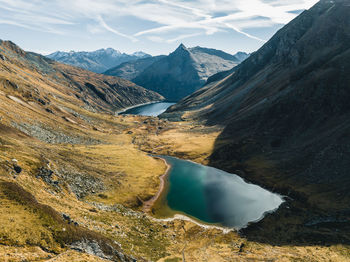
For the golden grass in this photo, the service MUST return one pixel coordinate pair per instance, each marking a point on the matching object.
(21, 226)
(129, 173)
(20, 254)
(74, 256)
(185, 140)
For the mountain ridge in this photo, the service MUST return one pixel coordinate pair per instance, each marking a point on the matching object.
(184, 71)
(94, 91)
(96, 61)
(130, 70)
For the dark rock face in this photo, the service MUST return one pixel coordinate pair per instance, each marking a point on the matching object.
(286, 113)
(17, 168)
(130, 70)
(184, 71)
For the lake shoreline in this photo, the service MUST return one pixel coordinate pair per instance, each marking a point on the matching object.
(152, 109)
(117, 113)
(147, 205)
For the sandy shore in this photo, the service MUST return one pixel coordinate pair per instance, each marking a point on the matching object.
(224, 230)
(147, 205)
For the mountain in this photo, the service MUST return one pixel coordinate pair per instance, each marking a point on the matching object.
(88, 89)
(241, 56)
(184, 71)
(97, 61)
(286, 117)
(130, 70)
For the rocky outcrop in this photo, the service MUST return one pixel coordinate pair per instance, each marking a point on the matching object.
(48, 135)
(92, 247)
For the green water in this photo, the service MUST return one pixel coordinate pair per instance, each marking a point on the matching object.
(213, 196)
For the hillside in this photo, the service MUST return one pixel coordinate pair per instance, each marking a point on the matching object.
(50, 114)
(285, 114)
(42, 80)
(130, 70)
(184, 71)
(96, 61)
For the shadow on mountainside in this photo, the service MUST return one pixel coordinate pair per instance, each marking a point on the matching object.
(306, 164)
(286, 114)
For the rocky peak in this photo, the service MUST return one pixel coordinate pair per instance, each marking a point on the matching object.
(181, 52)
(13, 47)
(182, 46)
(108, 51)
(140, 54)
(181, 49)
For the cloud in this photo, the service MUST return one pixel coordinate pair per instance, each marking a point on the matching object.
(108, 28)
(238, 16)
(165, 20)
(181, 37)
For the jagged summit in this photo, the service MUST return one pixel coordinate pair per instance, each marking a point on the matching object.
(109, 51)
(182, 46)
(181, 50)
(12, 46)
(141, 54)
(97, 61)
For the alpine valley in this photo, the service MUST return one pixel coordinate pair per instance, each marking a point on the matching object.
(250, 164)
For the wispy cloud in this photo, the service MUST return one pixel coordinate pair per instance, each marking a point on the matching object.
(108, 28)
(165, 20)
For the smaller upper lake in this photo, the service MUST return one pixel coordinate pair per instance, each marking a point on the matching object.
(154, 109)
(212, 195)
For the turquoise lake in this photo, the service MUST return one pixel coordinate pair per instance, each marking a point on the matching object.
(213, 196)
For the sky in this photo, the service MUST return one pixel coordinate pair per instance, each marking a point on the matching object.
(153, 26)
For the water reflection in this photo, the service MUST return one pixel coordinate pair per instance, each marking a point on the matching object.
(215, 196)
(154, 109)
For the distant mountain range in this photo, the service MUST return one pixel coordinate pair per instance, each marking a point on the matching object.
(97, 61)
(180, 73)
(174, 76)
(286, 114)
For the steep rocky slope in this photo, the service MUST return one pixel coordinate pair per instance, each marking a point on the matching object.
(41, 79)
(96, 61)
(184, 71)
(130, 70)
(285, 112)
